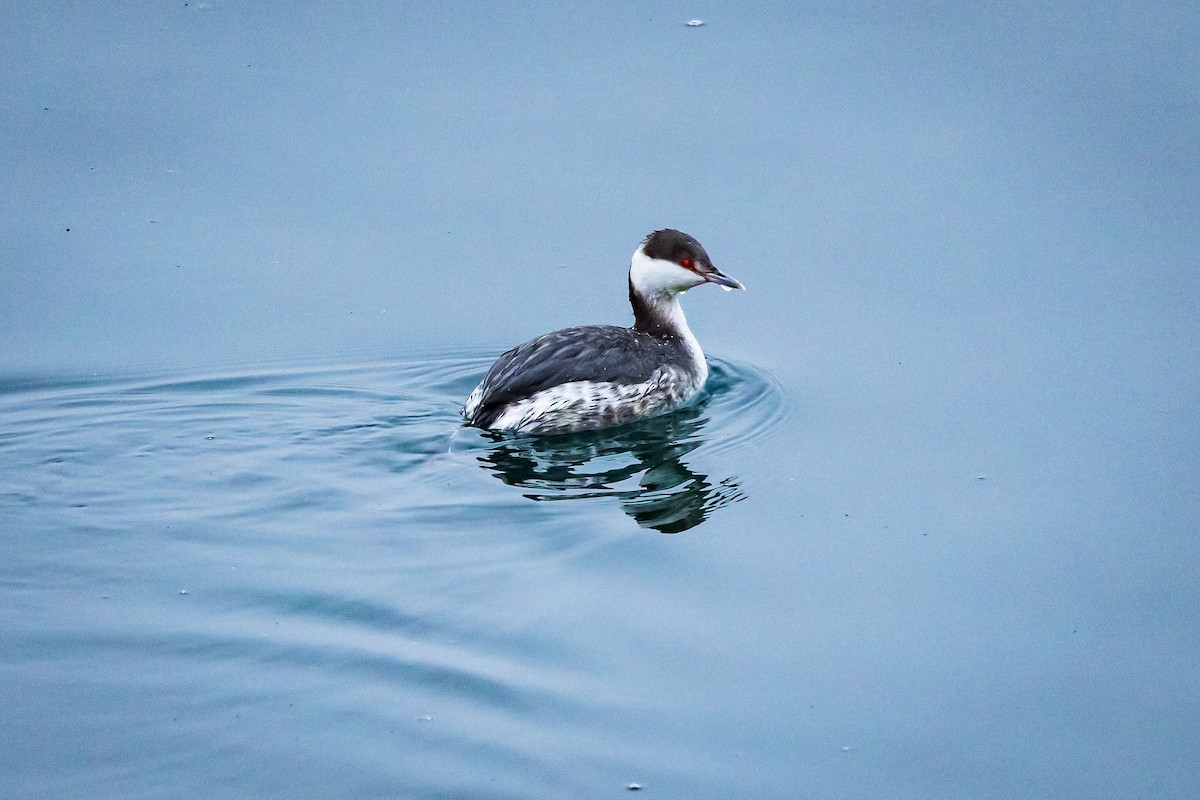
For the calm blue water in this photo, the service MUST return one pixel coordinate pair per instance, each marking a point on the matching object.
(931, 533)
(217, 579)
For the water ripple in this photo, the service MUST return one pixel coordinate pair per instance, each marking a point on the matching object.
(647, 466)
(333, 543)
(390, 420)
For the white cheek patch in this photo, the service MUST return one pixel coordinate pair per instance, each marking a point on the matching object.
(653, 276)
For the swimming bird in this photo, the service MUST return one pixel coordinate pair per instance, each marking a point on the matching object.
(596, 376)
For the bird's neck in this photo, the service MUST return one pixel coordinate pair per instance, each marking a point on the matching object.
(659, 314)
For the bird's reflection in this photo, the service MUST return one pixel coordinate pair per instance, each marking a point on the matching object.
(641, 465)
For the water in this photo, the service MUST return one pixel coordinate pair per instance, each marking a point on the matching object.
(932, 531)
(279, 551)
(212, 579)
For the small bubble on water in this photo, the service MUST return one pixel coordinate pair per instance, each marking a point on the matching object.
(694, 23)
(425, 719)
(183, 591)
(636, 787)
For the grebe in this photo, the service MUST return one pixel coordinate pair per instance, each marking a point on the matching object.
(596, 376)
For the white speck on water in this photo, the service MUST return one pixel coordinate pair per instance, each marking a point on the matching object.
(425, 719)
(846, 748)
(634, 787)
(183, 591)
(695, 23)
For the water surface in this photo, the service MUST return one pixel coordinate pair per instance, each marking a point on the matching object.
(931, 533)
(211, 560)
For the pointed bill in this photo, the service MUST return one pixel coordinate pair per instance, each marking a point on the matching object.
(721, 279)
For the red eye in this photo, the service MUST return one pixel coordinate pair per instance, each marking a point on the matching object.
(687, 263)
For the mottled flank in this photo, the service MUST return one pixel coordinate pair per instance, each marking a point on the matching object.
(584, 378)
(587, 405)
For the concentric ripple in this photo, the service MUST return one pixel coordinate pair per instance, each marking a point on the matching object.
(330, 543)
(648, 466)
(379, 422)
